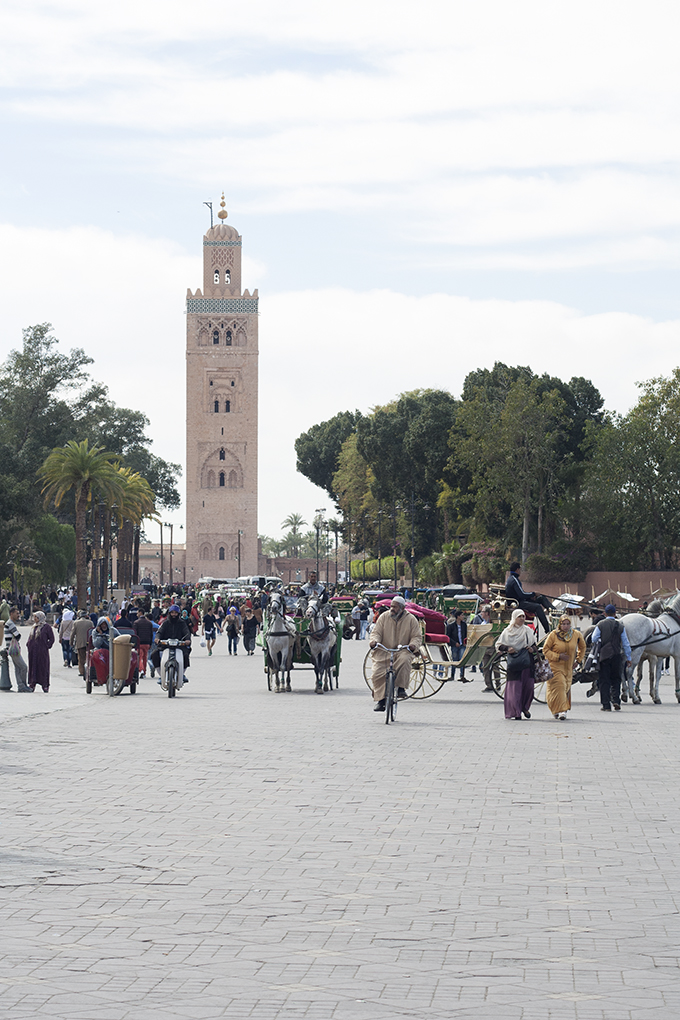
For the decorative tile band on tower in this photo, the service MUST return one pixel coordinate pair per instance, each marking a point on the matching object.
(216, 306)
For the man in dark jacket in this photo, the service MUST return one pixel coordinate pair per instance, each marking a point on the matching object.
(529, 601)
(614, 645)
(173, 627)
(456, 629)
(143, 628)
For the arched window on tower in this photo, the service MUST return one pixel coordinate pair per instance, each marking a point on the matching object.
(216, 336)
(228, 338)
(222, 454)
(217, 407)
(227, 276)
(221, 552)
(216, 276)
(222, 478)
(233, 479)
(227, 406)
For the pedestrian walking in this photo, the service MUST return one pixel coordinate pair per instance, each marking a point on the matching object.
(79, 634)
(456, 629)
(562, 648)
(208, 629)
(65, 628)
(143, 628)
(614, 645)
(363, 616)
(250, 629)
(484, 617)
(356, 621)
(39, 642)
(12, 639)
(233, 626)
(518, 641)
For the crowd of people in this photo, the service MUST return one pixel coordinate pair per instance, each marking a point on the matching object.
(151, 620)
(186, 614)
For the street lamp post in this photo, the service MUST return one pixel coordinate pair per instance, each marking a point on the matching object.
(161, 527)
(238, 558)
(318, 523)
(379, 546)
(363, 523)
(395, 507)
(171, 571)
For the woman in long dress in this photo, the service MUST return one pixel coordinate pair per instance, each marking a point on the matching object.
(39, 642)
(518, 640)
(563, 646)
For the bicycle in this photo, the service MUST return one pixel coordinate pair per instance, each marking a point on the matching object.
(390, 684)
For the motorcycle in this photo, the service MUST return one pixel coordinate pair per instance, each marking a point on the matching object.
(172, 667)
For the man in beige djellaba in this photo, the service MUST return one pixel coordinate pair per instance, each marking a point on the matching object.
(397, 627)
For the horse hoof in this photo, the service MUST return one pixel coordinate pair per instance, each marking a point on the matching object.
(624, 698)
(637, 701)
(657, 701)
(288, 687)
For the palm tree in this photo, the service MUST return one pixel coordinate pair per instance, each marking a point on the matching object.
(294, 522)
(82, 469)
(136, 503)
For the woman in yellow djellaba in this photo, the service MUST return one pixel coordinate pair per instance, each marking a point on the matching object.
(562, 648)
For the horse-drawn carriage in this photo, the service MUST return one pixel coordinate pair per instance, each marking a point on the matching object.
(311, 639)
(434, 665)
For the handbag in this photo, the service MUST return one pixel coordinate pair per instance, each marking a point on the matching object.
(542, 671)
(517, 661)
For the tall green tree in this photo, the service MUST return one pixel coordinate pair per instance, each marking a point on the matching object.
(318, 449)
(79, 469)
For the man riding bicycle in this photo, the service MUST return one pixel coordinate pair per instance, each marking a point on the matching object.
(398, 627)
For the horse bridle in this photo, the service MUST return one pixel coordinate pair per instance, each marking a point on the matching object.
(281, 613)
(319, 634)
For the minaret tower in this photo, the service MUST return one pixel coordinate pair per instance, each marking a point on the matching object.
(221, 473)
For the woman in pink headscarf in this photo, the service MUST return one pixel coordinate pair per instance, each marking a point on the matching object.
(39, 643)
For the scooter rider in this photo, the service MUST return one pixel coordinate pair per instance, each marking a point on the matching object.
(173, 627)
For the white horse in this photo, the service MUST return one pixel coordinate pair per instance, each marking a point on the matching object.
(322, 637)
(659, 636)
(280, 638)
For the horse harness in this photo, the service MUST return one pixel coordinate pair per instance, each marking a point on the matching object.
(656, 628)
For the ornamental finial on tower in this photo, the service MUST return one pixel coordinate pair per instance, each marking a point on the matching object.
(222, 214)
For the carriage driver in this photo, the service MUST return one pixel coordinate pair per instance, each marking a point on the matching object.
(394, 628)
(313, 588)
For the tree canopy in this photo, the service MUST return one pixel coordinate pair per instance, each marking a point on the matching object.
(47, 399)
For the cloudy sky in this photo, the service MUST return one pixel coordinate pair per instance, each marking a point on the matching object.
(421, 189)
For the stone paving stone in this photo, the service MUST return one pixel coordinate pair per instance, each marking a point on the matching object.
(236, 853)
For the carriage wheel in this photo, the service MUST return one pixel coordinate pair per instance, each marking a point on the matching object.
(498, 666)
(429, 684)
(118, 686)
(416, 679)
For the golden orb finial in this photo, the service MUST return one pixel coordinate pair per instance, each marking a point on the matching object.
(222, 214)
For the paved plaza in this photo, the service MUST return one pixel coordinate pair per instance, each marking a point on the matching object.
(235, 853)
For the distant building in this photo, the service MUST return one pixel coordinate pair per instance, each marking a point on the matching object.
(222, 384)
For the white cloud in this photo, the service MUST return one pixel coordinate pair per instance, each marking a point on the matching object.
(322, 351)
(485, 125)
